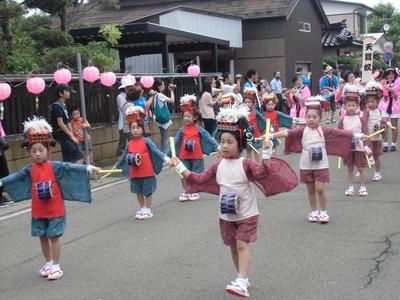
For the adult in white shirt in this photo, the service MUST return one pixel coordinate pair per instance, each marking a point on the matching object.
(206, 109)
(161, 100)
(121, 100)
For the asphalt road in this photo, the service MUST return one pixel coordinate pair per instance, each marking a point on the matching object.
(178, 254)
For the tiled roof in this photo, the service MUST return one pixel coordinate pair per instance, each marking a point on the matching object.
(338, 35)
(245, 9)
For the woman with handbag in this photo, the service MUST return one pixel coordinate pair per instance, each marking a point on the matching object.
(161, 111)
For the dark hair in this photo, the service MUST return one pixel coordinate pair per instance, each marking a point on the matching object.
(276, 72)
(157, 83)
(346, 75)
(25, 144)
(251, 72)
(295, 78)
(242, 124)
(207, 86)
(390, 70)
(141, 125)
(225, 75)
(299, 69)
(134, 92)
(74, 108)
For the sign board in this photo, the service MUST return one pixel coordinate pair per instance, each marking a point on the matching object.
(368, 55)
(388, 56)
(388, 46)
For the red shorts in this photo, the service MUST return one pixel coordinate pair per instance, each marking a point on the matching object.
(357, 158)
(244, 230)
(377, 148)
(310, 176)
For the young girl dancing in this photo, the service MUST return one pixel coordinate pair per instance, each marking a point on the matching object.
(256, 124)
(230, 178)
(48, 183)
(315, 143)
(353, 122)
(140, 162)
(373, 115)
(191, 142)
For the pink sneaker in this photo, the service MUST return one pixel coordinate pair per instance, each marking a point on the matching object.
(194, 197)
(323, 219)
(55, 274)
(312, 218)
(45, 271)
(238, 288)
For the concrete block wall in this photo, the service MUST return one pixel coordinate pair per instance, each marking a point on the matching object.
(104, 140)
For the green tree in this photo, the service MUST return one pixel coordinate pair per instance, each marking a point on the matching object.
(111, 34)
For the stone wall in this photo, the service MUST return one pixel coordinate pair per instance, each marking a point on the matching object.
(104, 140)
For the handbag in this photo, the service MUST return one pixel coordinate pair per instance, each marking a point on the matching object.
(162, 114)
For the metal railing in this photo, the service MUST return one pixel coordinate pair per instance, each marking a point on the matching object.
(101, 106)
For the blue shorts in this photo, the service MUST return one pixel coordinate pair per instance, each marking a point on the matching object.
(194, 165)
(69, 150)
(48, 227)
(145, 185)
(81, 146)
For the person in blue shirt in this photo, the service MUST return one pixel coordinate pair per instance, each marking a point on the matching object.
(276, 87)
(305, 78)
(329, 83)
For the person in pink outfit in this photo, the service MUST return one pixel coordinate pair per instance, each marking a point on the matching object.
(297, 97)
(390, 105)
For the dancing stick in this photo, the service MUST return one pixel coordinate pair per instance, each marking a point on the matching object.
(368, 162)
(374, 134)
(111, 171)
(173, 152)
(339, 162)
(108, 174)
(251, 146)
(267, 129)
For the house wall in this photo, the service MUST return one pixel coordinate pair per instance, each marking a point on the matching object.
(263, 47)
(304, 47)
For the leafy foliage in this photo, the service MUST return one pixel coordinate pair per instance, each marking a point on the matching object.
(111, 33)
(51, 38)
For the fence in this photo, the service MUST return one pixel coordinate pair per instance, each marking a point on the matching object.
(101, 106)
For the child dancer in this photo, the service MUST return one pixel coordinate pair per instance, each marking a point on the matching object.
(78, 129)
(230, 178)
(297, 97)
(141, 161)
(315, 143)
(373, 93)
(353, 122)
(256, 124)
(277, 118)
(47, 183)
(191, 142)
(390, 106)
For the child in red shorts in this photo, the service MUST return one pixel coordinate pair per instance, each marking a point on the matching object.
(48, 183)
(315, 143)
(230, 178)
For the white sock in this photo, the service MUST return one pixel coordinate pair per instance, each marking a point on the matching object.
(394, 144)
(48, 263)
(243, 280)
(377, 173)
(351, 187)
(55, 267)
(323, 212)
(315, 213)
(143, 209)
(385, 144)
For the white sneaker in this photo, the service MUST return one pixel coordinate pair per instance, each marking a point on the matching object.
(349, 191)
(45, 271)
(238, 288)
(145, 215)
(194, 196)
(377, 177)
(138, 214)
(55, 274)
(184, 197)
(363, 191)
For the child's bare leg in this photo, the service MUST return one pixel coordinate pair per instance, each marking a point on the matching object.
(142, 202)
(46, 250)
(362, 176)
(183, 182)
(248, 153)
(377, 163)
(244, 258)
(235, 257)
(256, 156)
(320, 189)
(55, 249)
(385, 136)
(312, 199)
(147, 202)
(350, 170)
(394, 130)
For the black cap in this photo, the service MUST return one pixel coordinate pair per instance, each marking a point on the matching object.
(63, 87)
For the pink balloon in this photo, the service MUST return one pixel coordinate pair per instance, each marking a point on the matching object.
(35, 85)
(91, 74)
(147, 81)
(128, 78)
(193, 70)
(108, 79)
(5, 91)
(62, 76)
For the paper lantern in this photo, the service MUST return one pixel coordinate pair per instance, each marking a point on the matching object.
(62, 76)
(147, 81)
(5, 91)
(128, 78)
(193, 70)
(108, 79)
(91, 74)
(35, 85)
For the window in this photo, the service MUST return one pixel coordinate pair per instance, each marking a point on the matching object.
(304, 27)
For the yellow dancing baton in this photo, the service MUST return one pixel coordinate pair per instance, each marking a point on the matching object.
(339, 162)
(173, 152)
(267, 129)
(368, 162)
(375, 133)
(110, 171)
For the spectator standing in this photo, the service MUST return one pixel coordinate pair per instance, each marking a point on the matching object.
(206, 104)
(121, 100)
(78, 127)
(161, 100)
(305, 77)
(4, 201)
(330, 83)
(62, 132)
(276, 88)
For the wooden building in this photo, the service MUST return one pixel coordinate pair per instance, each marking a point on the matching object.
(227, 35)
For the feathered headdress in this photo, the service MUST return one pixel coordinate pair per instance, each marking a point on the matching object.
(228, 118)
(373, 88)
(314, 102)
(134, 114)
(351, 92)
(37, 130)
(269, 97)
(227, 99)
(187, 103)
(250, 94)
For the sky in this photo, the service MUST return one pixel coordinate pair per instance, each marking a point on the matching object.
(372, 3)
